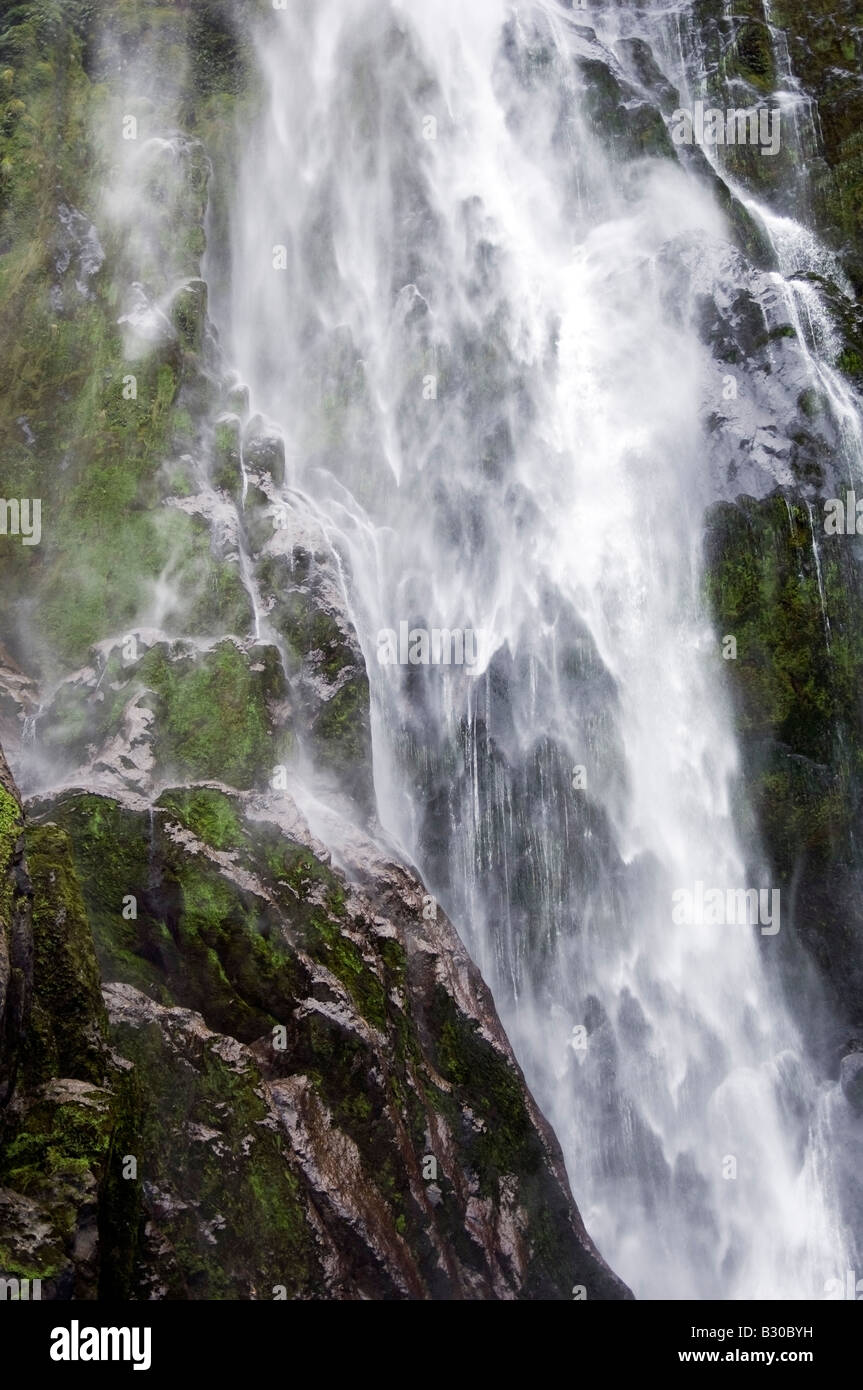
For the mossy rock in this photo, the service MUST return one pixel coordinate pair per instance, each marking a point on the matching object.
(264, 450)
(103, 426)
(66, 1034)
(792, 677)
(333, 684)
(786, 590)
(238, 1216)
(630, 127)
(213, 712)
(189, 313)
(227, 472)
(751, 58)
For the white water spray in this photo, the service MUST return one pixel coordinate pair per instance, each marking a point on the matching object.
(460, 309)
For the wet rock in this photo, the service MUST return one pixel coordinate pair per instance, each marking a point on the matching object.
(288, 1046)
(300, 584)
(147, 325)
(633, 127)
(78, 258)
(851, 1080)
(264, 450)
(18, 702)
(189, 314)
(638, 58)
(227, 456)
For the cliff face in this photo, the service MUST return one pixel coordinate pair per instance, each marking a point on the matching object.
(776, 579)
(227, 1065)
(286, 1088)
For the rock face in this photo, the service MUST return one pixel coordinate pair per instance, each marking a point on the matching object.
(287, 1087)
(775, 579)
(789, 594)
(851, 1080)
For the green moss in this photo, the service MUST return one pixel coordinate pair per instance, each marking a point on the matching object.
(239, 1182)
(394, 958)
(751, 57)
(241, 972)
(212, 718)
(111, 847)
(96, 463)
(196, 939)
(11, 821)
(802, 810)
(811, 402)
(326, 942)
(507, 1143)
(122, 1217)
(795, 688)
(191, 1110)
(189, 305)
(763, 586)
(54, 1152)
(347, 1078)
(67, 1026)
(306, 626)
(334, 689)
(120, 552)
(59, 1140)
(629, 127)
(210, 815)
(341, 728)
(221, 58)
(307, 878)
(226, 458)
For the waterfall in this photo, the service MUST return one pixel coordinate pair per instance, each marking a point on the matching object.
(471, 318)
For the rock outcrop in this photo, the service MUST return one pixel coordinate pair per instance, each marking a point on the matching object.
(289, 1085)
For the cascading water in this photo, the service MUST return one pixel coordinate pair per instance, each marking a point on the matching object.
(470, 319)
